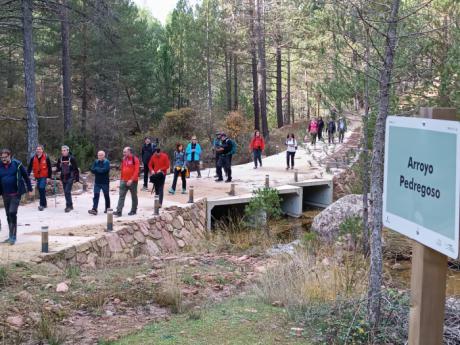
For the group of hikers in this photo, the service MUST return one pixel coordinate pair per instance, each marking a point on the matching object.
(316, 128)
(15, 178)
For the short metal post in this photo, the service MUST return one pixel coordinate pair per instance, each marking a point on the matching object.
(267, 181)
(45, 239)
(85, 184)
(296, 175)
(190, 195)
(232, 189)
(156, 205)
(109, 219)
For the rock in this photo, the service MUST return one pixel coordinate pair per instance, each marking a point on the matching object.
(279, 249)
(39, 278)
(114, 243)
(325, 262)
(181, 243)
(109, 313)
(327, 223)
(178, 234)
(24, 296)
(139, 237)
(91, 261)
(260, 269)
(242, 258)
(62, 287)
(156, 235)
(150, 248)
(16, 321)
(277, 304)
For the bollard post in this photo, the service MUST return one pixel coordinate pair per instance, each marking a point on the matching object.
(190, 195)
(45, 239)
(156, 205)
(85, 185)
(109, 219)
(232, 189)
(267, 181)
(296, 175)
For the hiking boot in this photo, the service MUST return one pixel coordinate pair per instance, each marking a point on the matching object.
(117, 213)
(171, 191)
(105, 211)
(7, 240)
(145, 189)
(131, 213)
(199, 176)
(92, 211)
(68, 209)
(184, 191)
(219, 180)
(228, 180)
(41, 208)
(255, 167)
(287, 168)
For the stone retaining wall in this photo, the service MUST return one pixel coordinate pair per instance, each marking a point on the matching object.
(175, 229)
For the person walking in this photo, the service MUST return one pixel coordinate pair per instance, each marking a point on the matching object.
(158, 166)
(14, 182)
(101, 170)
(291, 144)
(180, 168)
(257, 145)
(341, 128)
(40, 165)
(146, 153)
(320, 129)
(225, 155)
(67, 166)
(129, 178)
(313, 130)
(193, 153)
(330, 131)
(215, 145)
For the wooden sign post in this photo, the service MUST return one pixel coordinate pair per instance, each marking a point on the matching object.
(428, 276)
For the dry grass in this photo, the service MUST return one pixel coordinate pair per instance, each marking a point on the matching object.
(168, 292)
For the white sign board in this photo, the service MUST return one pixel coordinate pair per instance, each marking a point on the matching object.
(422, 181)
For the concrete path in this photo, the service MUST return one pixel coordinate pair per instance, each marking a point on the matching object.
(67, 229)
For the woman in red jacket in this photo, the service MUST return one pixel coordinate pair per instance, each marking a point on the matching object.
(257, 146)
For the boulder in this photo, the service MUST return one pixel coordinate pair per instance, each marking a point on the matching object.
(62, 287)
(150, 248)
(327, 223)
(15, 321)
(114, 243)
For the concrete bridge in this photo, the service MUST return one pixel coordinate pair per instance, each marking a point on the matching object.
(315, 166)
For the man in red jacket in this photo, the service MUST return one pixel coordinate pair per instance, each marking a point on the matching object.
(40, 165)
(128, 181)
(159, 165)
(257, 145)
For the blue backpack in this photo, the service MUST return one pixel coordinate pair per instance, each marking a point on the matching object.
(234, 147)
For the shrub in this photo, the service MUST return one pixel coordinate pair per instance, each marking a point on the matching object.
(82, 149)
(3, 276)
(168, 292)
(182, 123)
(266, 200)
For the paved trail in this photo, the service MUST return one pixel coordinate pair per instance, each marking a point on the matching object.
(67, 229)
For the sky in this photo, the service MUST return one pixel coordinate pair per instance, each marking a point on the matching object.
(159, 8)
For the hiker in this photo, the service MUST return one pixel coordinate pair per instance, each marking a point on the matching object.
(158, 166)
(67, 166)
(320, 129)
(225, 150)
(313, 130)
(101, 170)
(291, 144)
(146, 153)
(193, 153)
(40, 165)
(14, 181)
(257, 145)
(180, 168)
(341, 128)
(215, 145)
(129, 178)
(330, 131)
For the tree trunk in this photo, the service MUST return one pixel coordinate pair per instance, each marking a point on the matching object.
(365, 155)
(66, 76)
(288, 101)
(228, 80)
(262, 67)
(208, 65)
(29, 77)
(235, 82)
(133, 111)
(10, 78)
(279, 91)
(255, 89)
(375, 279)
(84, 72)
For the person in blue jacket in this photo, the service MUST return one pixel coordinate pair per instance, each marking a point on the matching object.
(193, 153)
(14, 182)
(101, 170)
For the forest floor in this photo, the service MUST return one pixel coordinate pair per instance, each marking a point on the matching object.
(68, 229)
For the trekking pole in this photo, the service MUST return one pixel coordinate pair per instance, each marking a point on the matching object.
(55, 192)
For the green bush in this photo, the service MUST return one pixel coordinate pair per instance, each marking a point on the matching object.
(82, 149)
(265, 200)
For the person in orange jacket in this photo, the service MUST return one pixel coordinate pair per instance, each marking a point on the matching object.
(158, 166)
(257, 145)
(128, 181)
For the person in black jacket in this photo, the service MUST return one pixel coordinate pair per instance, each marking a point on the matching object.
(13, 183)
(320, 128)
(67, 166)
(224, 162)
(101, 170)
(40, 165)
(146, 153)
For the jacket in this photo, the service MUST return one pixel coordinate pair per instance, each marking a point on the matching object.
(40, 167)
(14, 179)
(342, 125)
(159, 163)
(147, 152)
(68, 168)
(257, 143)
(101, 170)
(188, 151)
(227, 145)
(331, 127)
(130, 169)
(179, 159)
(291, 145)
(313, 127)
